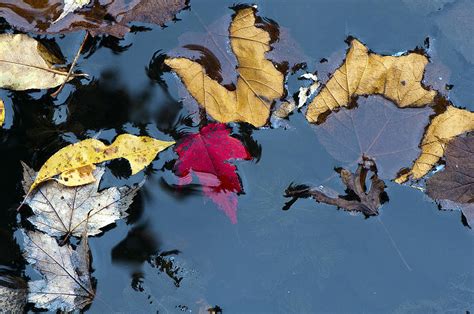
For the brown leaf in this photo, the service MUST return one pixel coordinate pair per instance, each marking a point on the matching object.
(357, 199)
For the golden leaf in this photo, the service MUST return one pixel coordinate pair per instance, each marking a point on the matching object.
(258, 85)
(2, 112)
(443, 128)
(27, 64)
(75, 163)
(364, 73)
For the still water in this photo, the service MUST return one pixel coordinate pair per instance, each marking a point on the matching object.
(177, 253)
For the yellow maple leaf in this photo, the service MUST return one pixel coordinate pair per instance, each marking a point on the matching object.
(441, 131)
(363, 73)
(75, 163)
(258, 85)
(2, 112)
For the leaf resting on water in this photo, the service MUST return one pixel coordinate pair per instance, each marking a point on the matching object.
(27, 64)
(2, 112)
(66, 283)
(397, 78)
(60, 210)
(13, 294)
(258, 85)
(71, 6)
(75, 163)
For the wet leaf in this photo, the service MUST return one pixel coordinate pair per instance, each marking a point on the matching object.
(75, 163)
(66, 283)
(363, 73)
(13, 294)
(456, 181)
(207, 154)
(71, 6)
(357, 199)
(2, 112)
(109, 17)
(62, 211)
(258, 85)
(27, 64)
(377, 129)
(443, 128)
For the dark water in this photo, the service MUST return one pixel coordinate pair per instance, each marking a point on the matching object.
(177, 252)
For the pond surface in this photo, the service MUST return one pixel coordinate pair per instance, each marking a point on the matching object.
(177, 252)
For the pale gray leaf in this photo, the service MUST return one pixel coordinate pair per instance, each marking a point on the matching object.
(60, 210)
(66, 283)
(71, 6)
(29, 175)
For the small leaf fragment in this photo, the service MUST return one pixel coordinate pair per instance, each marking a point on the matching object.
(71, 6)
(13, 294)
(440, 132)
(75, 163)
(2, 112)
(397, 78)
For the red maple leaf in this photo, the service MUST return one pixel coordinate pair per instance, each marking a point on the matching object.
(207, 154)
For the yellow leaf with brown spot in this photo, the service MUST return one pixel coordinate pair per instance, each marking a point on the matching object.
(74, 164)
(441, 131)
(2, 112)
(397, 78)
(258, 85)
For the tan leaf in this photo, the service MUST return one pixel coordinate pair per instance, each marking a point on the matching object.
(363, 73)
(75, 163)
(441, 131)
(258, 85)
(27, 64)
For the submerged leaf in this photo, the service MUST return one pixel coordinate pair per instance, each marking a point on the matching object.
(207, 155)
(358, 199)
(456, 182)
(441, 131)
(27, 64)
(66, 283)
(60, 210)
(397, 78)
(75, 163)
(13, 294)
(259, 82)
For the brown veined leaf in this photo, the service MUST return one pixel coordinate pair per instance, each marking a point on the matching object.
(363, 73)
(66, 283)
(75, 163)
(27, 64)
(75, 211)
(258, 85)
(2, 112)
(441, 131)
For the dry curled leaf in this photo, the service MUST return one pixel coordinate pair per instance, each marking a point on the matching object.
(66, 283)
(258, 85)
(13, 294)
(358, 198)
(397, 78)
(75, 163)
(27, 64)
(441, 131)
(60, 210)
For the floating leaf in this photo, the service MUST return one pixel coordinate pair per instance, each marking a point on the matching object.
(110, 17)
(358, 199)
(75, 163)
(27, 64)
(258, 85)
(377, 129)
(207, 155)
(66, 283)
(441, 131)
(2, 112)
(456, 181)
(13, 294)
(363, 73)
(60, 210)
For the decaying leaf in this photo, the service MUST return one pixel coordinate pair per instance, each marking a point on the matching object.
(102, 17)
(2, 112)
(71, 6)
(456, 181)
(66, 283)
(75, 163)
(207, 155)
(258, 85)
(60, 210)
(27, 64)
(13, 294)
(377, 129)
(358, 199)
(441, 131)
(397, 78)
